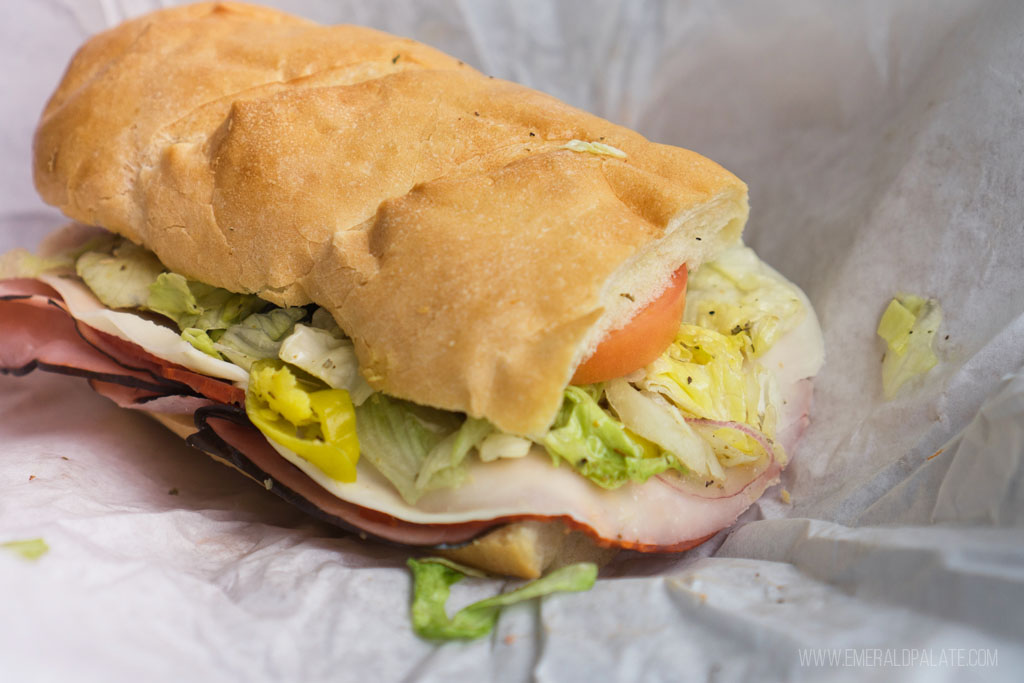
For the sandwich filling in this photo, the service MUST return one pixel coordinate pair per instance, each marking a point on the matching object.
(702, 414)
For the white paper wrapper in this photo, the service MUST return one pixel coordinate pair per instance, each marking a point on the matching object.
(884, 149)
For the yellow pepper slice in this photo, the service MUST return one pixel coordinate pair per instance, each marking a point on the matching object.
(318, 424)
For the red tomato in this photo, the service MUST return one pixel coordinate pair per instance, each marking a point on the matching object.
(642, 339)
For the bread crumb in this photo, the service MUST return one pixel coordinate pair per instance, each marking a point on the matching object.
(935, 454)
(510, 639)
(786, 498)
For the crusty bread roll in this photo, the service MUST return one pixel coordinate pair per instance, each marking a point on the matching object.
(436, 212)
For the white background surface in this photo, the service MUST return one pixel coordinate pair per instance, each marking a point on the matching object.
(884, 147)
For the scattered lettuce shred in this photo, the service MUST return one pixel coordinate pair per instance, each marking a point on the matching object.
(908, 326)
(598, 148)
(432, 581)
(29, 549)
(315, 422)
(417, 449)
(599, 447)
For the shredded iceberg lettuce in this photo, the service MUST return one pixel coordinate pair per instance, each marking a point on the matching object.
(651, 417)
(259, 336)
(199, 305)
(70, 245)
(122, 278)
(432, 581)
(500, 445)
(326, 354)
(908, 327)
(201, 340)
(600, 447)
(29, 548)
(708, 375)
(737, 293)
(417, 449)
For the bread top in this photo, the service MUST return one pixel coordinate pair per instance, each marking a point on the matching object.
(434, 211)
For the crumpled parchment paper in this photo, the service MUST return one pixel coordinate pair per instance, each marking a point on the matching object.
(883, 143)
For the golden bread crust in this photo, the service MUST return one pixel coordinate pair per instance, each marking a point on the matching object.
(433, 210)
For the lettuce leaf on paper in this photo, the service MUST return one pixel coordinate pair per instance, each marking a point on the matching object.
(908, 327)
(432, 583)
(29, 548)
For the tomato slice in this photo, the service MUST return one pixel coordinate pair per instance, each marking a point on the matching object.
(643, 338)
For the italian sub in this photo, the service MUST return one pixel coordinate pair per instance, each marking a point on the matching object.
(427, 305)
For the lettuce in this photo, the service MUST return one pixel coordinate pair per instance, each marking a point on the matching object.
(61, 250)
(324, 353)
(599, 447)
(23, 263)
(446, 460)
(120, 279)
(417, 449)
(738, 294)
(598, 148)
(707, 375)
(259, 336)
(499, 445)
(201, 340)
(29, 548)
(432, 583)
(317, 423)
(655, 420)
(908, 327)
(199, 305)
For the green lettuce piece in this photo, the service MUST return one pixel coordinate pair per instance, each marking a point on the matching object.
(432, 583)
(199, 305)
(908, 327)
(598, 446)
(445, 462)
(30, 548)
(23, 263)
(322, 319)
(738, 294)
(417, 449)
(120, 279)
(259, 336)
(327, 355)
(201, 340)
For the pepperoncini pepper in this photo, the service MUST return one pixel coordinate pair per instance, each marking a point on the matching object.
(317, 423)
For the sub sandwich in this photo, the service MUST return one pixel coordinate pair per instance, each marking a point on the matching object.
(423, 304)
